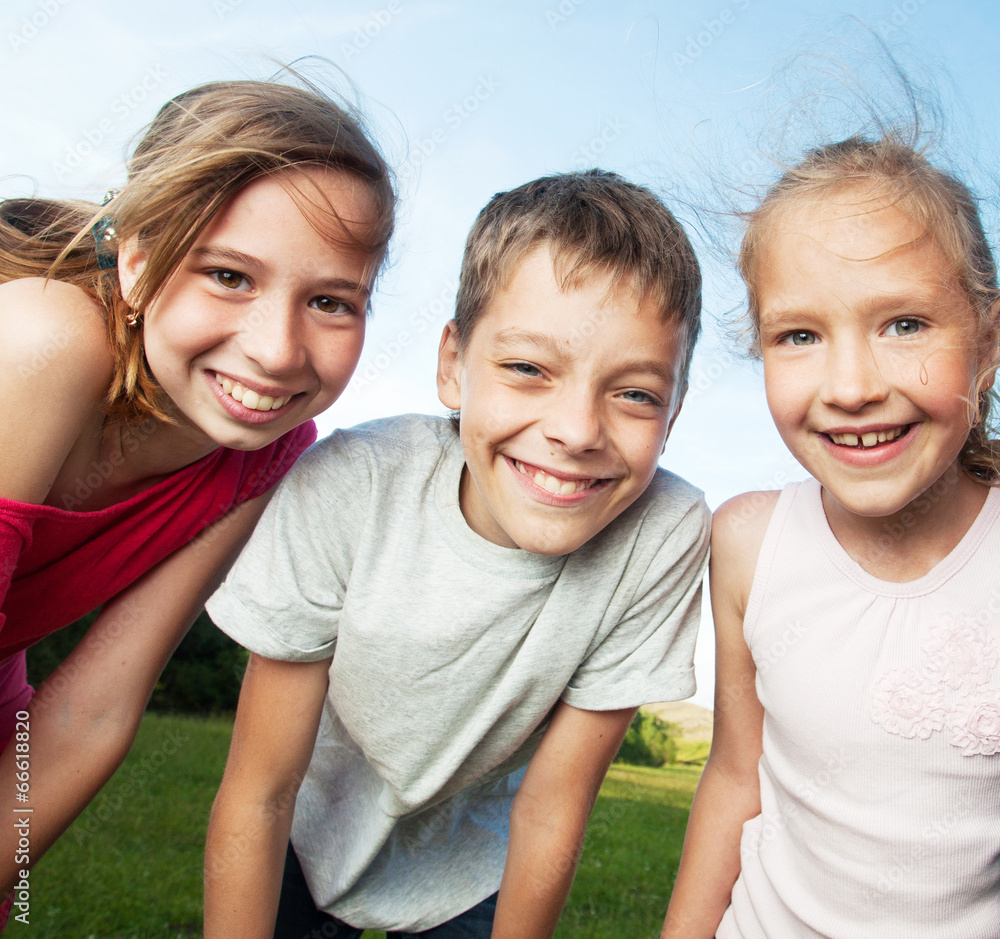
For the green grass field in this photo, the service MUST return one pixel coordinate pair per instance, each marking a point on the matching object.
(130, 866)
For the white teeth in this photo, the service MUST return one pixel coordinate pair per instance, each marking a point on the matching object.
(553, 484)
(870, 439)
(250, 398)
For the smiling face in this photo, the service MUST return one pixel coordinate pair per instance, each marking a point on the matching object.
(261, 326)
(566, 399)
(869, 353)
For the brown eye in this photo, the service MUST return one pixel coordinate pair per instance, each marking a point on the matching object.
(330, 306)
(229, 279)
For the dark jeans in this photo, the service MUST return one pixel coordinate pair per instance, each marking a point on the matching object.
(298, 917)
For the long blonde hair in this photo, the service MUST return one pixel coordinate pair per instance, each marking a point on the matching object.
(202, 147)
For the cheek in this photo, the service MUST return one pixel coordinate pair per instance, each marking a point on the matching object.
(339, 358)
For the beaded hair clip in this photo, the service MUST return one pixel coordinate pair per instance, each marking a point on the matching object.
(104, 235)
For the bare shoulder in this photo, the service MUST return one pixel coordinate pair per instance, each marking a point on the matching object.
(739, 523)
(738, 529)
(48, 321)
(55, 368)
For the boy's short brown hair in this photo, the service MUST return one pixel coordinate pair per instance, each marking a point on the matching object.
(596, 222)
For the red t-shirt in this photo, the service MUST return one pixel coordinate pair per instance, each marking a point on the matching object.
(56, 565)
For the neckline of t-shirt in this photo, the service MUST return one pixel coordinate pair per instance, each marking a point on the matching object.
(946, 568)
(471, 547)
(22, 509)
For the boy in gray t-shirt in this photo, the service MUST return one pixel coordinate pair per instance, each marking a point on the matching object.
(449, 606)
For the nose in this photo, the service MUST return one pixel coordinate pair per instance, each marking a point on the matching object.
(574, 421)
(852, 375)
(270, 337)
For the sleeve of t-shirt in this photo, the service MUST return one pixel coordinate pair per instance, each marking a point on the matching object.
(283, 597)
(648, 653)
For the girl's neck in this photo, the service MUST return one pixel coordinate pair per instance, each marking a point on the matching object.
(116, 462)
(908, 544)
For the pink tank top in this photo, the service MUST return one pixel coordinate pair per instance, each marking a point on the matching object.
(880, 775)
(56, 565)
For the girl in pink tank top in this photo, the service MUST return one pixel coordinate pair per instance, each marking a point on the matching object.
(162, 357)
(853, 785)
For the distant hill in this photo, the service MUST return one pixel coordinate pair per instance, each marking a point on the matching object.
(694, 722)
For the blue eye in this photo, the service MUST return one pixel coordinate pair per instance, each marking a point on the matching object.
(905, 327)
(524, 368)
(638, 397)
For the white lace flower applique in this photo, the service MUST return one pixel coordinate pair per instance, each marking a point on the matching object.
(960, 654)
(908, 704)
(952, 691)
(975, 723)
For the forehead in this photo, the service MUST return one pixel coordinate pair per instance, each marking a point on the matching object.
(589, 322)
(545, 285)
(851, 240)
(334, 203)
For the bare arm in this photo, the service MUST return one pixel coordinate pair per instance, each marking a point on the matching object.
(84, 717)
(549, 818)
(276, 724)
(729, 792)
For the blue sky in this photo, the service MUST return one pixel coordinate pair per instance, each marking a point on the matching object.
(471, 98)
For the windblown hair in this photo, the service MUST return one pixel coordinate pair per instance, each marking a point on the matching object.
(202, 148)
(884, 171)
(595, 223)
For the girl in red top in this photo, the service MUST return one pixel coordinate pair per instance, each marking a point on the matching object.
(160, 360)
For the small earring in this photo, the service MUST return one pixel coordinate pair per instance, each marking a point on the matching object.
(132, 320)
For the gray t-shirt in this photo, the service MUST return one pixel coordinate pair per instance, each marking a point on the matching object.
(449, 653)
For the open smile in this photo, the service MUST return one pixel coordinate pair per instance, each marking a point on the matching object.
(869, 439)
(250, 399)
(557, 485)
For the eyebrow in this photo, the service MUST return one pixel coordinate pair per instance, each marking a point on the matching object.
(511, 337)
(790, 317)
(217, 254)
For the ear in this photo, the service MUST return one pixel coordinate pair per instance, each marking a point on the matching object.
(449, 373)
(131, 262)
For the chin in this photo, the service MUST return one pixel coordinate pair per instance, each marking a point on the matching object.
(549, 547)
